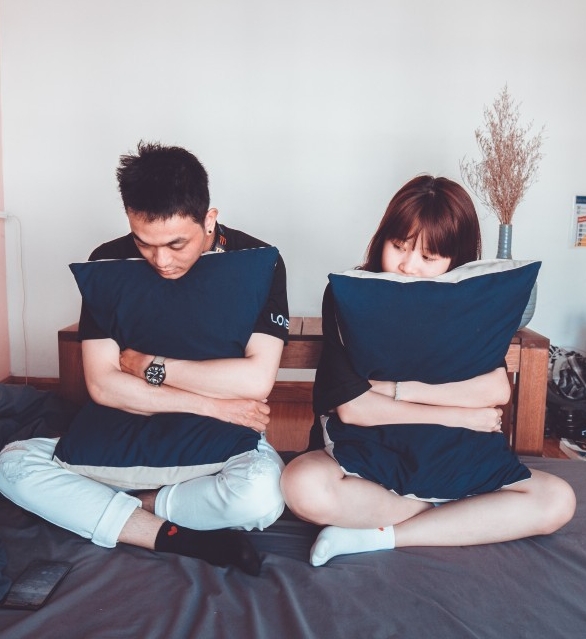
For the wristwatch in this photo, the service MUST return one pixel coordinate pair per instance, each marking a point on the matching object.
(155, 371)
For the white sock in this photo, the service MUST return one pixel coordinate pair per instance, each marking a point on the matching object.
(333, 541)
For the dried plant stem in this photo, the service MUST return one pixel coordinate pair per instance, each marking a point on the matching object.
(510, 159)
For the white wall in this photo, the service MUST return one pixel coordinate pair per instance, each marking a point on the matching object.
(308, 115)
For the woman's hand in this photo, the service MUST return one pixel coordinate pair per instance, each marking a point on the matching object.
(384, 388)
(485, 420)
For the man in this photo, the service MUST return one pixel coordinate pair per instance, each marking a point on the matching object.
(165, 194)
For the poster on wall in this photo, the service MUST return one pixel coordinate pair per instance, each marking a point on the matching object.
(580, 221)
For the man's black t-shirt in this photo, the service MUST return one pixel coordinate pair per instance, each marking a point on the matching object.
(274, 318)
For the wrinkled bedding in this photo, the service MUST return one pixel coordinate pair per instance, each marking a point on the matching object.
(26, 412)
(528, 588)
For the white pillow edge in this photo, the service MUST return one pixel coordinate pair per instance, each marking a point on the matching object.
(142, 259)
(464, 272)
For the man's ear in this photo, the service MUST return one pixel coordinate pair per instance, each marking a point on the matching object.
(209, 222)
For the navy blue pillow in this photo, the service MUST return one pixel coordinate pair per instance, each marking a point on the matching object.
(445, 329)
(209, 313)
(137, 452)
(427, 461)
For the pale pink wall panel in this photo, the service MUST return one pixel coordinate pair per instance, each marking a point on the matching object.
(4, 344)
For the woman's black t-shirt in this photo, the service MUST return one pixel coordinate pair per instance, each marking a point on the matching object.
(336, 382)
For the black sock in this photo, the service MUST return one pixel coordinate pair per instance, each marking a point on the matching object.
(217, 547)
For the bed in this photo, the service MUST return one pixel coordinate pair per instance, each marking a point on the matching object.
(529, 588)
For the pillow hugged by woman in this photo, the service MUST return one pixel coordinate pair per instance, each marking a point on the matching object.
(383, 450)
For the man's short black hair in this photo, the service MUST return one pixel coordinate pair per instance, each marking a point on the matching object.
(162, 181)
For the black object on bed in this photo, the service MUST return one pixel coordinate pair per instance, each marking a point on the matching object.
(529, 588)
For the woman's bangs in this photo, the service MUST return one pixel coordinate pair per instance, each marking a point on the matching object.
(402, 229)
(437, 231)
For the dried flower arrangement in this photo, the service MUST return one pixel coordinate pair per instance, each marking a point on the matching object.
(510, 159)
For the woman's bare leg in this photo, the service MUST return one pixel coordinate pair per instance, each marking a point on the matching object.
(538, 506)
(316, 490)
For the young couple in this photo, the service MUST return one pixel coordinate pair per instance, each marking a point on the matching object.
(429, 228)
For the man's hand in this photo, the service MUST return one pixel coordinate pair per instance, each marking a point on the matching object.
(243, 412)
(134, 363)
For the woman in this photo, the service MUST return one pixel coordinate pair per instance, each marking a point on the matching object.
(429, 228)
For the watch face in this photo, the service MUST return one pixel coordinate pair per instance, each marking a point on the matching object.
(155, 374)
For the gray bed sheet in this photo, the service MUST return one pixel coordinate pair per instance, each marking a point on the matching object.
(529, 588)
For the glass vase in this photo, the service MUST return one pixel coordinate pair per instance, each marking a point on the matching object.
(504, 253)
(505, 241)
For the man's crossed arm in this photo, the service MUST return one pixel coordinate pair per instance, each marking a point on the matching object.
(232, 390)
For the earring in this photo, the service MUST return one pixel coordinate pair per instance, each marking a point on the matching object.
(209, 231)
